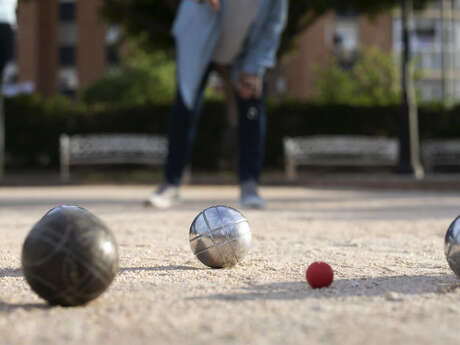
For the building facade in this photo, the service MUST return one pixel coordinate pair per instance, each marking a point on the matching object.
(64, 45)
(435, 48)
(332, 34)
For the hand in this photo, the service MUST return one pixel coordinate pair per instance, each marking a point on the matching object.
(249, 86)
(214, 3)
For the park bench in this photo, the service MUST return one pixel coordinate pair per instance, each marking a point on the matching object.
(338, 151)
(440, 153)
(110, 149)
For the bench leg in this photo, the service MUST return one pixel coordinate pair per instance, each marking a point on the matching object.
(428, 167)
(65, 174)
(290, 169)
(64, 157)
(187, 176)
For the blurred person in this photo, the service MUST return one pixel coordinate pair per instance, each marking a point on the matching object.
(242, 35)
(7, 21)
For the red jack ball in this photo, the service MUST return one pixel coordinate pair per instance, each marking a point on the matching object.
(319, 275)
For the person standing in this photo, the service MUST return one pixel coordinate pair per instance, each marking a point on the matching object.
(243, 36)
(7, 22)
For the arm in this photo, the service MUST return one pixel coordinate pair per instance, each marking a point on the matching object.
(214, 3)
(261, 53)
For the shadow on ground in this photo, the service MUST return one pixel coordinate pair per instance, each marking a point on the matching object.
(160, 268)
(394, 288)
(136, 204)
(412, 207)
(14, 202)
(10, 307)
(10, 272)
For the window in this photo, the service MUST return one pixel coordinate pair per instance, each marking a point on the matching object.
(67, 34)
(67, 11)
(112, 37)
(67, 55)
(430, 89)
(68, 81)
(67, 39)
(346, 40)
(113, 58)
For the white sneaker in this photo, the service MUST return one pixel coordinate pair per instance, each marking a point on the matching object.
(249, 196)
(165, 197)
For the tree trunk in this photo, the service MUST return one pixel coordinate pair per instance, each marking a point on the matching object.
(409, 146)
(446, 51)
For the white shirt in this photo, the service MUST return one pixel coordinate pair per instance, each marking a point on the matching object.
(8, 11)
(237, 18)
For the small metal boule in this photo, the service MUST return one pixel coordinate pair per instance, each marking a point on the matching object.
(69, 257)
(220, 236)
(452, 246)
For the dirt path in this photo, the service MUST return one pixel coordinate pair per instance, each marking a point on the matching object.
(392, 286)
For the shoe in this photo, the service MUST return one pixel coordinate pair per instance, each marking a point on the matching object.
(249, 197)
(166, 196)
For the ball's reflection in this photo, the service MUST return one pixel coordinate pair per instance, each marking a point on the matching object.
(220, 236)
(452, 246)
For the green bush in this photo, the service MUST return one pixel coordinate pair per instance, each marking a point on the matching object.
(33, 126)
(142, 78)
(372, 81)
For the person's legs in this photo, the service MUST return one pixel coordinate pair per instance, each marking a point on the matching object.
(182, 130)
(251, 136)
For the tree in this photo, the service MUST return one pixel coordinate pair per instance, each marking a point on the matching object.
(409, 143)
(372, 80)
(154, 18)
(142, 77)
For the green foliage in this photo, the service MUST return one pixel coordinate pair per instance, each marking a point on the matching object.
(143, 77)
(153, 19)
(144, 18)
(33, 126)
(373, 80)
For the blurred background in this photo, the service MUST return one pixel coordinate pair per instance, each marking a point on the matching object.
(83, 67)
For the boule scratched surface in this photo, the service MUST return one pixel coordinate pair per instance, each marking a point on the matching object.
(220, 236)
(452, 246)
(70, 256)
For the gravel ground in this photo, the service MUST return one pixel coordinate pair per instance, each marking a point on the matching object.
(392, 283)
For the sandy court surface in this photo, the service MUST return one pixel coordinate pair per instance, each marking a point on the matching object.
(392, 282)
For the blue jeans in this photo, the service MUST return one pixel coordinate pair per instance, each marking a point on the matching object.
(251, 135)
